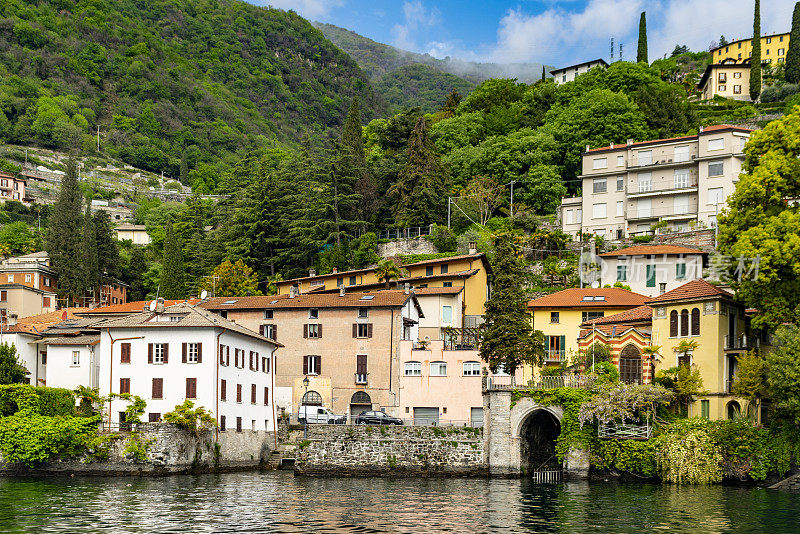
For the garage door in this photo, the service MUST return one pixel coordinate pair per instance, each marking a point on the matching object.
(476, 417)
(426, 416)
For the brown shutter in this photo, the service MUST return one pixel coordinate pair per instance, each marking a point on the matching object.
(355, 329)
(149, 353)
(261, 329)
(266, 396)
(684, 322)
(223, 389)
(319, 330)
(188, 388)
(696, 321)
(275, 332)
(222, 354)
(166, 352)
(125, 353)
(253, 394)
(158, 388)
(250, 363)
(673, 324)
(183, 349)
(228, 356)
(236, 358)
(361, 364)
(124, 385)
(305, 330)
(256, 358)
(369, 330)
(319, 364)
(199, 352)
(238, 393)
(305, 365)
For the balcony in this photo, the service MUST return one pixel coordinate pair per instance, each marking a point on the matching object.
(663, 162)
(666, 213)
(740, 342)
(661, 187)
(461, 338)
(420, 345)
(555, 355)
(361, 379)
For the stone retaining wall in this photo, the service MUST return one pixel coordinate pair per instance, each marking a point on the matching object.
(392, 450)
(415, 245)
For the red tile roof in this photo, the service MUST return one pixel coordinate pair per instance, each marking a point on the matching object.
(132, 307)
(439, 290)
(635, 315)
(696, 289)
(644, 250)
(380, 299)
(609, 297)
(708, 129)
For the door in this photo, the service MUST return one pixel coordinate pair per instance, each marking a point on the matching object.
(426, 416)
(476, 417)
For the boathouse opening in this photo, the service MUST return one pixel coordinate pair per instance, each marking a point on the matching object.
(538, 436)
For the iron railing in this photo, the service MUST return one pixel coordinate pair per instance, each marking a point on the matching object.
(461, 338)
(361, 378)
(555, 355)
(625, 431)
(738, 342)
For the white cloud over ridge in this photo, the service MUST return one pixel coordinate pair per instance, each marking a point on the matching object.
(415, 17)
(310, 9)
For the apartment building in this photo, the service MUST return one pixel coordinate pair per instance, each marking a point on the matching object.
(773, 50)
(683, 181)
(568, 74)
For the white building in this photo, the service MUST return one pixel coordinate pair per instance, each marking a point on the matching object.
(568, 74)
(684, 182)
(183, 352)
(136, 233)
(441, 308)
(652, 270)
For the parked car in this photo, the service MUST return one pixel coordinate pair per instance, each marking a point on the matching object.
(377, 418)
(319, 415)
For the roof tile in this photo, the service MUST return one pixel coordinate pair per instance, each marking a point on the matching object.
(644, 250)
(634, 315)
(612, 297)
(693, 290)
(386, 298)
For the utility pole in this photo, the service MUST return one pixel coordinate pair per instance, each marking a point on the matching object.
(448, 213)
(511, 210)
(612, 50)
(98, 138)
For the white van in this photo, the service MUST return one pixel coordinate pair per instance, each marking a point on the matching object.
(319, 414)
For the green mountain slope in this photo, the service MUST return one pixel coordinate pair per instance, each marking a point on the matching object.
(180, 86)
(420, 86)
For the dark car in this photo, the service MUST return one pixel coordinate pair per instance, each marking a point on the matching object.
(377, 418)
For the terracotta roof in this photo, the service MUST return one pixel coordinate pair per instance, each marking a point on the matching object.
(644, 250)
(131, 307)
(708, 129)
(390, 298)
(381, 285)
(635, 315)
(446, 259)
(439, 290)
(53, 316)
(696, 289)
(604, 297)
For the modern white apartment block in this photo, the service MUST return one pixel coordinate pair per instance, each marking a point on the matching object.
(568, 74)
(684, 181)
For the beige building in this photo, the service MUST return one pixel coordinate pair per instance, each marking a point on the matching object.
(683, 181)
(346, 344)
(568, 74)
(137, 233)
(731, 80)
(652, 270)
(18, 301)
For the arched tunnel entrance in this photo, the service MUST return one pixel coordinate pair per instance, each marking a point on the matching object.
(538, 436)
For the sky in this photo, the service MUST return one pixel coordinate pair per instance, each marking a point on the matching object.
(558, 33)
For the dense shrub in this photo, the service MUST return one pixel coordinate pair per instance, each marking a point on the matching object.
(779, 94)
(45, 401)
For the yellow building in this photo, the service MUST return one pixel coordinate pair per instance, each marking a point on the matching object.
(469, 271)
(708, 315)
(730, 80)
(773, 50)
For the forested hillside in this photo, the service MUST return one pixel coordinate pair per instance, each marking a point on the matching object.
(419, 86)
(180, 86)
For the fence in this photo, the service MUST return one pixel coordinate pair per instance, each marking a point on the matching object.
(499, 383)
(546, 476)
(404, 233)
(625, 431)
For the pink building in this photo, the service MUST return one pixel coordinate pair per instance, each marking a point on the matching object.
(12, 187)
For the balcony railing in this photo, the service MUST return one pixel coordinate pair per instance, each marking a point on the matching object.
(739, 342)
(361, 378)
(665, 185)
(555, 355)
(461, 338)
(635, 164)
(729, 385)
(420, 345)
(624, 431)
(666, 212)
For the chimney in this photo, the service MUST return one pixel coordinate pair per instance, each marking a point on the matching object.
(630, 142)
(160, 305)
(701, 129)
(312, 272)
(341, 291)
(292, 292)
(335, 270)
(587, 148)
(473, 247)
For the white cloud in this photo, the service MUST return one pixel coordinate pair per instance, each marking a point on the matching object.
(307, 8)
(415, 17)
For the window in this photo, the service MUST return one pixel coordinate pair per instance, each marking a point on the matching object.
(680, 204)
(620, 208)
(716, 168)
(429, 271)
(722, 77)
(157, 391)
(239, 393)
(579, 215)
(737, 75)
(716, 144)
(266, 363)
(191, 353)
(444, 269)
(705, 409)
(362, 330)
(684, 323)
(716, 195)
(554, 317)
(238, 424)
(589, 315)
(363, 312)
(339, 282)
(438, 368)
(555, 347)
(28, 278)
(599, 185)
(313, 313)
(76, 357)
(680, 271)
(737, 89)
(447, 284)
(46, 302)
(620, 183)
(622, 273)
(681, 178)
(599, 211)
(266, 397)
(643, 206)
(620, 161)
(269, 331)
(352, 281)
(124, 385)
(412, 369)
(361, 368)
(10, 278)
(630, 365)
(568, 217)
(153, 417)
(645, 180)
(253, 399)
(269, 314)
(645, 157)
(3, 295)
(769, 40)
(722, 88)
(681, 153)
(312, 365)
(472, 369)
(313, 331)
(695, 321)
(447, 315)
(125, 353)
(158, 353)
(191, 388)
(600, 163)
(673, 323)
(651, 276)
(223, 389)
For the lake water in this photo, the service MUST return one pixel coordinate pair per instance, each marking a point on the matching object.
(279, 502)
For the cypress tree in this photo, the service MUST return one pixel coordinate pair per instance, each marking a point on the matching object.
(91, 272)
(107, 252)
(136, 270)
(755, 58)
(641, 52)
(354, 157)
(543, 74)
(793, 54)
(64, 235)
(172, 284)
(507, 337)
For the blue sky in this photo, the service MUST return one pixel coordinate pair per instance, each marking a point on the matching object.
(551, 32)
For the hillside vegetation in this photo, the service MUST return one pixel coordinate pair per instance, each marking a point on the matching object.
(180, 86)
(420, 86)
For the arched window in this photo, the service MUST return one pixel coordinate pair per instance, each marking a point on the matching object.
(312, 398)
(630, 365)
(684, 322)
(695, 321)
(360, 397)
(673, 323)
(734, 410)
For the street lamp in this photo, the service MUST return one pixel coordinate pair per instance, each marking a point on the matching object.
(306, 381)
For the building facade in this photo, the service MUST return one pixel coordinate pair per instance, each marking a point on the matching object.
(568, 74)
(12, 188)
(683, 182)
(773, 50)
(136, 233)
(729, 80)
(652, 270)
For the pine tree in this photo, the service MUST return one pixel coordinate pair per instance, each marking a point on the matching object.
(793, 54)
(507, 338)
(64, 235)
(641, 52)
(755, 58)
(136, 269)
(722, 40)
(353, 160)
(421, 188)
(172, 273)
(107, 251)
(91, 273)
(451, 104)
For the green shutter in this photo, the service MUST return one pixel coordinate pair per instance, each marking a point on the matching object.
(562, 344)
(705, 409)
(651, 276)
(680, 271)
(622, 274)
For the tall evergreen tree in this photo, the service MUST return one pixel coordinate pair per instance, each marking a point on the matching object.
(421, 188)
(353, 160)
(136, 269)
(91, 272)
(107, 251)
(755, 58)
(722, 40)
(451, 103)
(172, 273)
(65, 233)
(543, 74)
(793, 54)
(507, 337)
(641, 52)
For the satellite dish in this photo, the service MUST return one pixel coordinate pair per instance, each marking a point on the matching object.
(203, 294)
(595, 284)
(153, 306)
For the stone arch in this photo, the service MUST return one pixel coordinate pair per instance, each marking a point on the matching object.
(733, 409)
(630, 364)
(311, 398)
(538, 433)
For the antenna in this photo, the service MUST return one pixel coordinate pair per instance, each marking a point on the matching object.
(153, 306)
(620, 51)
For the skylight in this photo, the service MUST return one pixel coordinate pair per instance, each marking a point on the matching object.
(367, 297)
(230, 302)
(589, 298)
(274, 302)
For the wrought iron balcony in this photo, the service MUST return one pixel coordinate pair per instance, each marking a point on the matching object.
(361, 378)
(555, 355)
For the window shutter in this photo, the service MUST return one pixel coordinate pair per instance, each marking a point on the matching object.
(236, 358)
(318, 360)
(125, 353)
(256, 358)
(188, 388)
(319, 330)
(183, 348)
(275, 332)
(158, 388)
(305, 365)
(696, 321)
(199, 352)
(166, 352)
(222, 354)
(252, 393)
(361, 364)
(266, 396)
(305, 330)
(251, 361)
(355, 329)
(673, 324)
(223, 389)
(684, 322)
(261, 329)
(369, 330)
(227, 356)
(562, 342)
(149, 353)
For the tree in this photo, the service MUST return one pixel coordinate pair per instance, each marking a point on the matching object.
(421, 188)
(89, 256)
(136, 269)
(722, 40)
(232, 279)
(507, 338)
(783, 373)
(482, 194)
(755, 57)
(679, 49)
(750, 381)
(65, 233)
(543, 74)
(666, 109)
(355, 158)
(107, 251)
(172, 276)
(541, 189)
(451, 104)
(641, 51)
(183, 170)
(792, 68)
(759, 223)
(11, 371)
(18, 238)
(388, 270)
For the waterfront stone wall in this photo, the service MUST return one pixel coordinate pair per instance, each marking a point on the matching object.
(390, 450)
